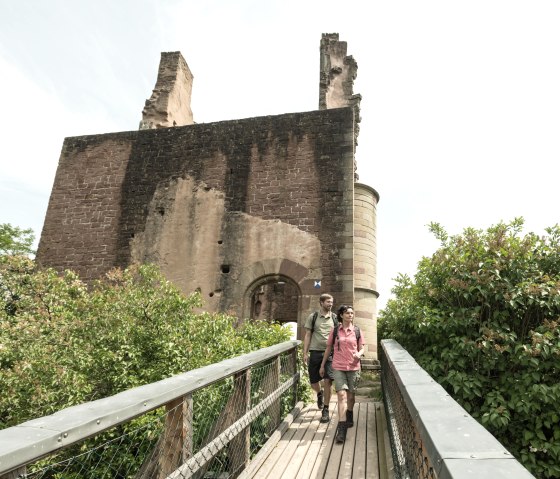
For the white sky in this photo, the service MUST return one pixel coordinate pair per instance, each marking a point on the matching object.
(460, 100)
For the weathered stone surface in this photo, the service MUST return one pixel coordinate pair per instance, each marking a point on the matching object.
(198, 198)
(170, 103)
(260, 215)
(337, 74)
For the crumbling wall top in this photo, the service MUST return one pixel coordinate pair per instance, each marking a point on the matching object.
(170, 103)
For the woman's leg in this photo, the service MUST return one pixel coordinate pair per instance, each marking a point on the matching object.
(341, 428)
(350, 409)
(342, 406)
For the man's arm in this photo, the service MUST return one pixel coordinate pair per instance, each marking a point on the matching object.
(306, 341)
(327, 353)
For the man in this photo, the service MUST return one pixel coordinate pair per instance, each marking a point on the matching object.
(317, 328)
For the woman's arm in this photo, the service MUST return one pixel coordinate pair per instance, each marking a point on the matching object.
(360, 352)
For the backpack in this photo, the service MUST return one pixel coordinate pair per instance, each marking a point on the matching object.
(316, 315)
(336, 324)
(356, 331)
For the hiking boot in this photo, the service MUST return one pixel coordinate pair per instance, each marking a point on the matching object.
(340, 432)
(349, 418)
(325, 415)
(320, 400)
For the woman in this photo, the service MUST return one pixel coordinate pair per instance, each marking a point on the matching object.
(348, 346)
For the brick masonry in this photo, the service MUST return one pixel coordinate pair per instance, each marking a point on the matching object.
(254, 197)
(260, 215)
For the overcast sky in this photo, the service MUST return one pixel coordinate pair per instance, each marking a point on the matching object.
(460, 100)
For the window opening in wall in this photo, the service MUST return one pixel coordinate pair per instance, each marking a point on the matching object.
(275, 299)
(293, 328)
(225, 268)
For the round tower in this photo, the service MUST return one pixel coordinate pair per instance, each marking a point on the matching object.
(365, 264)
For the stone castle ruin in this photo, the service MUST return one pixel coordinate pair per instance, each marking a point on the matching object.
(261, 215)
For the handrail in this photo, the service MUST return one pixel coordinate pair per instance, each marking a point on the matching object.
(36, 438)
(432, 435)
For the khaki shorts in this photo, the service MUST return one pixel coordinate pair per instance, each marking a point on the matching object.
(346, 380)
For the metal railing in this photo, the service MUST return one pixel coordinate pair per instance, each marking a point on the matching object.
(208, 422)
(432, 436)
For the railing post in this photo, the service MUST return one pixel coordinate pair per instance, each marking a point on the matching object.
(15, 474)
(176, 444)
(294, 370)
(240, 446)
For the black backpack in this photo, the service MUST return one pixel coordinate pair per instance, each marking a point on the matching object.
(316, 315)
(335, 334)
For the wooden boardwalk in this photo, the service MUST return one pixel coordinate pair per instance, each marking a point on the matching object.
(306, 448)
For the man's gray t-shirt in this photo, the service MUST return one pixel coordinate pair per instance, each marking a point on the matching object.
(320, 334)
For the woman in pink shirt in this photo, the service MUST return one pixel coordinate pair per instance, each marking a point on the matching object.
(346, 366)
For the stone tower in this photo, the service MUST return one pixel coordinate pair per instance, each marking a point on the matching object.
(336, 90)
(260, 215)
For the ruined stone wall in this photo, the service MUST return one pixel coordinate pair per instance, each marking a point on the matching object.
(218, 206)
(170, 102)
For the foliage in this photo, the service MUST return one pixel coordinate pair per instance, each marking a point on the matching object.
(62, 343)
(482, 316)
(15, 241)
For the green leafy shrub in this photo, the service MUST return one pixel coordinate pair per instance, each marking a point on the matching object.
(482, 316)
(62, 344)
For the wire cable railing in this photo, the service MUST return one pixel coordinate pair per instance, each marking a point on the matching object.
(206, 423)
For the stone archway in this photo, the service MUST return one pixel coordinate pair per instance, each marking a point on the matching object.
(274, 298)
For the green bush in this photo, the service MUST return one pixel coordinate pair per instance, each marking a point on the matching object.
(482, 316)
(62, 344)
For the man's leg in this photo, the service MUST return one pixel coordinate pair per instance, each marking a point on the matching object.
(313, 368)
(328, 385)
(320, 397)
(316, 387)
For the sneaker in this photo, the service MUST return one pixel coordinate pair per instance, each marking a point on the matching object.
(349, 418)
(340, 432)
(325, 415)
(320, 400)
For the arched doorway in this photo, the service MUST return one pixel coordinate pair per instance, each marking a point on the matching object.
(274, 298)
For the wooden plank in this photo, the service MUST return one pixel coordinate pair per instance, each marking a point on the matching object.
(311, 453)
(322, 461)
(379, 416)
(294, 433)
(347, 459)
(312, 457)
(360, 420)
(336, 449)
(261, 456)
(297, 452)
(390, 470)
(372, 455)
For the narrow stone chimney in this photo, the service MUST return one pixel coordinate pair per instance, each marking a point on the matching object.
(336, 83)
(170, 103)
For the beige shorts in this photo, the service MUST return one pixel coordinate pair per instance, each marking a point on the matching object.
(346, 380)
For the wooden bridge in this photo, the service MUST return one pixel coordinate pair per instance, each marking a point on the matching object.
(304, 448)
(222, 420)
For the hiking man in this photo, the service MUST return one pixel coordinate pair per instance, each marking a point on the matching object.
(317, 328)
